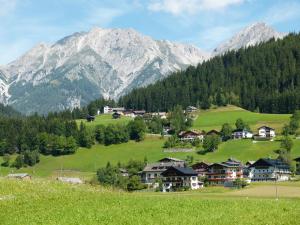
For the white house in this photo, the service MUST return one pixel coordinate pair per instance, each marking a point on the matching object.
(175, 178)
(266, 132)
(109, 110)
(71, 180)
(269, 170)
(191, 135)
(241, 134)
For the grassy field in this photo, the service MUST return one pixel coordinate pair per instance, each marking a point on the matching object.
(86, 161)
(215, 118)
(47, 202)
(105, 119)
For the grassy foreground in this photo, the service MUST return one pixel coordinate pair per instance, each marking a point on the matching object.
(215, 118)
(47, 202)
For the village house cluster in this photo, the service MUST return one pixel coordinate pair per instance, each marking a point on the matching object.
(175, 174)
(263, 133)
(117, 112)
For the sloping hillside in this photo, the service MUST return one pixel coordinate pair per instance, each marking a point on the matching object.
(215, 118)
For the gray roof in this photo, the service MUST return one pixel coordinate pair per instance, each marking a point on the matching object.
(159, 166)
(17, 175)
(184, 171)
(279, 164)
(171, 159)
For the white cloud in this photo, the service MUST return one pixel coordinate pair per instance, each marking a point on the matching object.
(178, 7)
(7, 6)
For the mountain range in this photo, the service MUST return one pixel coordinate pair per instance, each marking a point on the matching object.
(103, 63)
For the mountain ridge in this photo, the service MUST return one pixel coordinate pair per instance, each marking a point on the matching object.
(100, 63)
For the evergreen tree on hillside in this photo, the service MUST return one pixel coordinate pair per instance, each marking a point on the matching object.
(265, 77)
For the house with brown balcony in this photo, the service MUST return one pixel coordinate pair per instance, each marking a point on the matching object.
(225, 173)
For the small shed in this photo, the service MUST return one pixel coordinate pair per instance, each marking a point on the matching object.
(71, 180)
(20, 176)
(90, 118)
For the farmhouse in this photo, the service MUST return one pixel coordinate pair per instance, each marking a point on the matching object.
(71, 180)
(129, 113)
(109, 110)
(201, 168)
(139, 112)
(191, 135)
(225, 173)
(213, 132)
(241, 134)
(162, 115)
(175, 178)
(20, 176)
(152, 171)
(269, 170)
(191, 109)
(266, 132)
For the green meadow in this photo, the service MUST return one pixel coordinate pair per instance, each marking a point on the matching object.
(105, 119)
(86, 161)
(49, 202)
(215, 118)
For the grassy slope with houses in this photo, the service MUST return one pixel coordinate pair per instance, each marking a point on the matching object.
(215, 118)
(85, 162)
(50, 202)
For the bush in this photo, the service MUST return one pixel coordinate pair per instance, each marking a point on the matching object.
(6, 159)
(240, 183)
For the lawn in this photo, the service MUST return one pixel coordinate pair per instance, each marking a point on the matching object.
(86, 161)
(105, 119)
(215, 118)
(51, 203)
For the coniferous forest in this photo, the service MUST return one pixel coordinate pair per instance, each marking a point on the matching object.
(264, 78)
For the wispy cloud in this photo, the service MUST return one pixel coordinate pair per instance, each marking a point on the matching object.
(178, 7)
(282, 12)
(7, 7)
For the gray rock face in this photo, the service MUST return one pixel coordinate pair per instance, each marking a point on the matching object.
(84, 66)
(103, 62)
(249, 36)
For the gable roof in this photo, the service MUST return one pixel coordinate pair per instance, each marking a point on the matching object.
(297, 159)
(229, 163)
(241, 130)
(158, 167)
(213, 132)
(266, 127)
(200, 163)
(170, 159)
(183, 171)
(271, 162)
(17, 175)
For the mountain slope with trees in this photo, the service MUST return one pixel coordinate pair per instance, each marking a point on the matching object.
(265, 78)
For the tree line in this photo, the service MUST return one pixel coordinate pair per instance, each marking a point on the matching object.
(264, 78)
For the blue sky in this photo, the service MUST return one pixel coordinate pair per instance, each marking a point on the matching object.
(204, 23)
